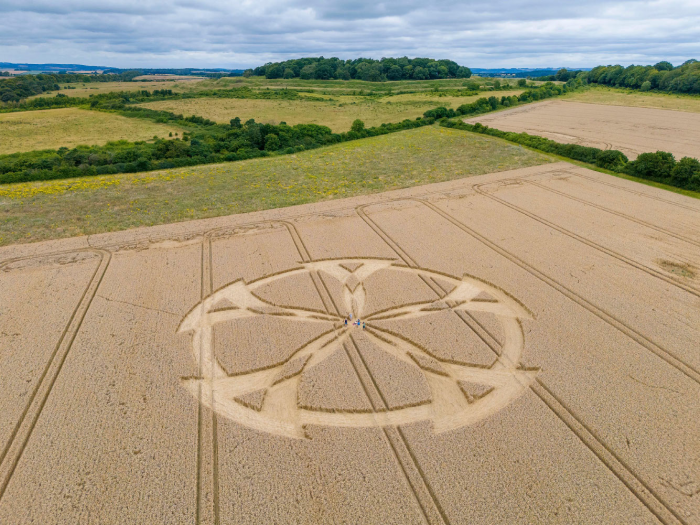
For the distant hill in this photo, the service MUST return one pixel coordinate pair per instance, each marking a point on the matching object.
(53, 68)
(521, 72)
(72, 68)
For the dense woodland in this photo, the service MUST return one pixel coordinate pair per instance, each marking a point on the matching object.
(662, 77)
(362, 69)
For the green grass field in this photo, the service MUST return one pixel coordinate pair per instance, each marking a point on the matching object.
(345, 86)
(625, 97)
(337, 114)
(53, 209)
(53, 128)
(80, 89)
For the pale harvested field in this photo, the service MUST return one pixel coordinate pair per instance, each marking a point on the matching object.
(530, 356)
(631, 130)
(70, 127)
(635, 98)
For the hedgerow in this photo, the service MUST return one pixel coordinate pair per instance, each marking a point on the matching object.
(209, 142)
(660, 166)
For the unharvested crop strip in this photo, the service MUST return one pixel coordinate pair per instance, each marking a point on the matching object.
(37, 400)
(415, 478)
(207, 429)
(614, 212)
(592, 244)
(651, 500)
(656, 505)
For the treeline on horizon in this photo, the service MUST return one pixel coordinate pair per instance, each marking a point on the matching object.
(661, 76)
(20, 87)
(368, 69)
(14, 89)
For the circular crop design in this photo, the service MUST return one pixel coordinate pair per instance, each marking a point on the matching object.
(286, 350)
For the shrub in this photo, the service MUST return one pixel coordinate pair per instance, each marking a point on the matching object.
(357, 126)
(612, 160)
(272, 142)
(684, 171)
(653, 166)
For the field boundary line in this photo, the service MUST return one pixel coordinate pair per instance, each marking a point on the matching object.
(588, 242)
(613, 212)
(628, 477)
(25, 425)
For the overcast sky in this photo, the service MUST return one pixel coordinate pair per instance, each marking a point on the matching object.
(243, 33)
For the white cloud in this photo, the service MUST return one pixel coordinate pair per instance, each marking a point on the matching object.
(216, 33)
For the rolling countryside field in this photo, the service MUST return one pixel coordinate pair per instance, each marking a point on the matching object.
(53, 209)
(379, 313)
(212, 360)
(338, 113)
(70, 127)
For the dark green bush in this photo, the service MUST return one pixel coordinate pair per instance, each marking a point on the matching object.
(684, 171)
(654, 166)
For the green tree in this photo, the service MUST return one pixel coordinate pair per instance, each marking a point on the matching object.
(420, 73)
(394, 73)
(357, 126)
(463, 72)
(289, 73)
(342, 73)
(323, 72)
(663, 66)
(646, 86)
(654, 166)
(307, 72)
(274, 71)
(522, 82)
(272, 142)
(683, 172)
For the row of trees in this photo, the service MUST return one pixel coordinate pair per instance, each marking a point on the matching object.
(17, 88)
(563, 75)
(661, 76)
(320, 68)
(207, 143)
(660, 166)
(118, 99)
(492, 103)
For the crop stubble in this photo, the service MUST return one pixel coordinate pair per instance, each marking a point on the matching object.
(632, 130)
(117, 438)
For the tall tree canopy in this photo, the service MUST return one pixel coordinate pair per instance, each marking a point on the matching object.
(403, 68)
